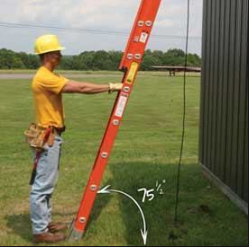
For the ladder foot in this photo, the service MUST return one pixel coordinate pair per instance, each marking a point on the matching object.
(75, 235)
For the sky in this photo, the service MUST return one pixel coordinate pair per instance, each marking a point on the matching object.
(104, 15)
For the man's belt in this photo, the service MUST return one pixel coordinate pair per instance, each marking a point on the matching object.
(58, 131)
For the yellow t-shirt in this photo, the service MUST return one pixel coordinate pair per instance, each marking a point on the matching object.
(47, 88)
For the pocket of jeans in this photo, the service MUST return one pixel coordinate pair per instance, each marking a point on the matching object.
(59, 139)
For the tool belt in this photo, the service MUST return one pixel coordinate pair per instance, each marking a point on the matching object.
(37, 137)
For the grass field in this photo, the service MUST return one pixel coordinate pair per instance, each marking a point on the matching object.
(146, 151)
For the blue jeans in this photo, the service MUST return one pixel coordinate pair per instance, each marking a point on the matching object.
(43, 187)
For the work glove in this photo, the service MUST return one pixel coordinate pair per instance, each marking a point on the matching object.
(114, 87)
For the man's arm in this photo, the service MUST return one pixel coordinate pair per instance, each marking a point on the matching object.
(90, 88)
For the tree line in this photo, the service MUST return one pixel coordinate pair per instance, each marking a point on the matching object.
(98, 60)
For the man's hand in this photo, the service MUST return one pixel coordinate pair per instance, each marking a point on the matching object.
(114, 87)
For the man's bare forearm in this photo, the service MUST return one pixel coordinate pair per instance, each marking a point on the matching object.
(90, 88)
(85, 87)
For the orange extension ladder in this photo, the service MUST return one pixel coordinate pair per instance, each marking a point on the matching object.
(130, 64)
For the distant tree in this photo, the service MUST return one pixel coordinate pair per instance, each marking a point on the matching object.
(29, 61)
(67, 63)
(151, 59)
(115, 58)
(101, 61)
(85, 60)
(194, 60)
(10, 60)
(175, 53)
(16, 63)
(174, 57)
(97, 60)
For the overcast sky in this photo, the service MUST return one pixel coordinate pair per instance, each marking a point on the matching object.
(106, 15)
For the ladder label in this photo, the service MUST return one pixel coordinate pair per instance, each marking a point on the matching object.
(143, 38)
(132, 73)
(121, 106)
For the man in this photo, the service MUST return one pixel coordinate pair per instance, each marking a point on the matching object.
(48, 88)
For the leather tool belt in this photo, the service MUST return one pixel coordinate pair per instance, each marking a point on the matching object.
(37, 137)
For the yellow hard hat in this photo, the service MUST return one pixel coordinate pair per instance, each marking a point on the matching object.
(47, 43)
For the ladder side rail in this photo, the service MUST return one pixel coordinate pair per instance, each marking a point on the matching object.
(136, 46)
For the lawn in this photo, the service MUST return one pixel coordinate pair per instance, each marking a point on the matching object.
(146, 152)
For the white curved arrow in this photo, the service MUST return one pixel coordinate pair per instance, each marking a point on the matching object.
(144, 232)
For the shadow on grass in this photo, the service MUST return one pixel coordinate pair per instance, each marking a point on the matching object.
(21, 225)
(159, 213)
(98, 208)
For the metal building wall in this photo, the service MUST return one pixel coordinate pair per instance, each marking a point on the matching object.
(224, 96)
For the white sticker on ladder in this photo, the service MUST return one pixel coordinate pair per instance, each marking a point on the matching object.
(121, 106)
(143, 38)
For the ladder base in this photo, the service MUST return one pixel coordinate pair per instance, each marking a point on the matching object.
(75, 235)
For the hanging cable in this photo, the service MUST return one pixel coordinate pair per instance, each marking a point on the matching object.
(83, 31)
(184, 115)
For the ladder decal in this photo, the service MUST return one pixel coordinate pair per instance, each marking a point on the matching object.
(121, 106)
(130, 64)
(143, 38)
(132, 73)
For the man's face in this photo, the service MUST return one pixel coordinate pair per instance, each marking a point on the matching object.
(54, 58)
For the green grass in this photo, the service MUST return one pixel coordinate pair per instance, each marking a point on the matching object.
(145, 152)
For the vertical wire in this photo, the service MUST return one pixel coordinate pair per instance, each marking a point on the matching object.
(184, 115)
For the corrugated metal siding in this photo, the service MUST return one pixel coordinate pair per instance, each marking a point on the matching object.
(224, 93)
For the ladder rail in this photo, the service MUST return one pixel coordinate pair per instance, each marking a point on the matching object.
(133, 31)
(130, 64)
